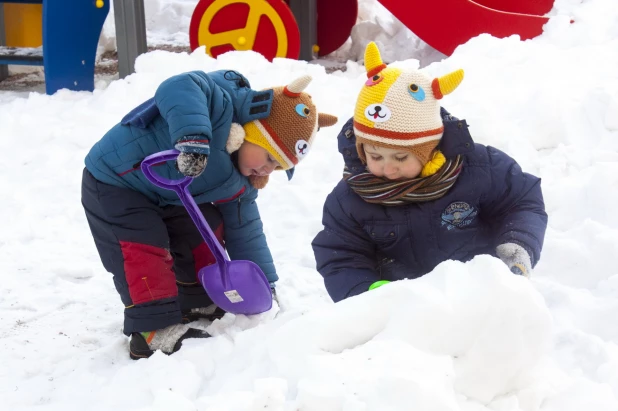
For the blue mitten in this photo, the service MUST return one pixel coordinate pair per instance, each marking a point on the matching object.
(516, 258)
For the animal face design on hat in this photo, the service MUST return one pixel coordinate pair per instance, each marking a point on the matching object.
(288, 132)
(399, 108)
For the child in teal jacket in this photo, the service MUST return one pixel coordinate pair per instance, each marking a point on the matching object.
(230, 138)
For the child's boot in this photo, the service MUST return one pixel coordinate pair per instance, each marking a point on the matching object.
(210, 313)
(169, 340)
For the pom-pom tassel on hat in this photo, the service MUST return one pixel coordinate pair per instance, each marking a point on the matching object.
(434, 164)
(258, 182)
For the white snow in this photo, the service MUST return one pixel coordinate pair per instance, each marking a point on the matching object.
(469, 337)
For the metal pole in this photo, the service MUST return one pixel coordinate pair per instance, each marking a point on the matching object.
(306, 14)
(130, 34)
(4, 69)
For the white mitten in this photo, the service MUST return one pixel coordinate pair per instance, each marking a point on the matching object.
(516, 258)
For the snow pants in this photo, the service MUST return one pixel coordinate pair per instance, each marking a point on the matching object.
(154, 253)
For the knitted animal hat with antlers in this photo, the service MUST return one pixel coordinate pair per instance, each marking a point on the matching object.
(288, 132)
(400, 109)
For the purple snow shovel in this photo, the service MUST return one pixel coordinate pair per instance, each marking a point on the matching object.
(238, 287)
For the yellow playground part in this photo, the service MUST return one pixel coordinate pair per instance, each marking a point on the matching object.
(23, 25)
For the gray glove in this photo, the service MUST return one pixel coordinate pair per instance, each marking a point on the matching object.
(191, 164)
(516, 258)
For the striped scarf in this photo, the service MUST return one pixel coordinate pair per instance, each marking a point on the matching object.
(379, 190)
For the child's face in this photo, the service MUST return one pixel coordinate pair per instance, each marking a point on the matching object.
(255, 160)
(391, 163)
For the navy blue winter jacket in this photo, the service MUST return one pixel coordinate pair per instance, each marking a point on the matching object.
(493, 202)
(193, 103)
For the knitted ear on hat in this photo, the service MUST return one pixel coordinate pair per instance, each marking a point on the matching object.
(399, 108)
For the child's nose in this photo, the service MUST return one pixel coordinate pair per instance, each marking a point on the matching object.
(390, 168)
(268, 168)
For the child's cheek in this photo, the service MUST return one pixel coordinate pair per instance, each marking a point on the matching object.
(243, 165)
(374, 168)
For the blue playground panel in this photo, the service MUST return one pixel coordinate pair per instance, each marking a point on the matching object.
(71, 30)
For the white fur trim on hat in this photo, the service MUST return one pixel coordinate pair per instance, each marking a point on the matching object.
(235, 138)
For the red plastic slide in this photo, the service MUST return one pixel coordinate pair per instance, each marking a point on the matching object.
(445, 24)
(535, 7)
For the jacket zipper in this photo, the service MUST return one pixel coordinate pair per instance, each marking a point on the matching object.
(234, 197)
(239, 217)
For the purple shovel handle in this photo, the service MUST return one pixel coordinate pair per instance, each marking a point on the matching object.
(181, 187)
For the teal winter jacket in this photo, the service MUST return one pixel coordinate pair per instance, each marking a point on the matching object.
(193, 104)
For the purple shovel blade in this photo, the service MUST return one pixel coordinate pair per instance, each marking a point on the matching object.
(238, 287)
(245, 290)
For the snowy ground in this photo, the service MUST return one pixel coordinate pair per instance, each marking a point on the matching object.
(467, 337)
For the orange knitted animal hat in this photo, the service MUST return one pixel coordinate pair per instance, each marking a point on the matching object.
(288, 132)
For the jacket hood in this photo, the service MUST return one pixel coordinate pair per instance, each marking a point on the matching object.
(248, 104)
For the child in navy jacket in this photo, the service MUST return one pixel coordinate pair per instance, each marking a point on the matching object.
(417, 191)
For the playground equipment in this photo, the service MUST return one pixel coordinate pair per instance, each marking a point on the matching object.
(457, 21)
(22, 25)
(70, 31)
(268, 27)
(335, 22)
(130, 34)
(265, 26)
(276, 28)
(271, 27)
(532, 7)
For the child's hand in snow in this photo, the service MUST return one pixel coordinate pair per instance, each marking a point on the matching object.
(516, 258)
(273, 290)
